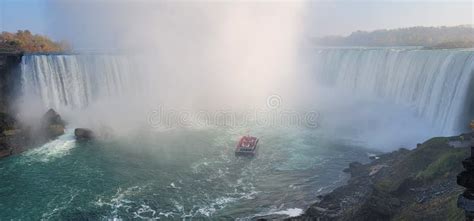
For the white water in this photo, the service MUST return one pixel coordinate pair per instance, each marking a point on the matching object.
(53, 149)
(434, 84)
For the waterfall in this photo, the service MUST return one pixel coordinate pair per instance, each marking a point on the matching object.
(435, 84)
(74, 81)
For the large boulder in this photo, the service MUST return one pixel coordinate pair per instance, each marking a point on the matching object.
(55, 130)
(52, 124)
(83, 134)
(356, 169)
(16, 137)
(52, 117)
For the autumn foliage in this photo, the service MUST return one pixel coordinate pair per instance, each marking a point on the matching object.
(24, 41)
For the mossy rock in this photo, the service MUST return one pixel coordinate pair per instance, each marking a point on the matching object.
(433, 159)
(445, 165)
(443, 208)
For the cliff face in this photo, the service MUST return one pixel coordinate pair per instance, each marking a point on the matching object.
(10, 78)
(15, 137)
(418, 184)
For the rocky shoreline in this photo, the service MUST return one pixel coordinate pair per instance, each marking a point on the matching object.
(418, 184)
(16, 137)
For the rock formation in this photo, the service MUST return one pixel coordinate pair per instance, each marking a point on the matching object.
(83, 134)
(418, 184)
(10, 78)
(52, 125)
(16, 137)
(466, 179)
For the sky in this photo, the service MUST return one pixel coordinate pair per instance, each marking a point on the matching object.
(23, 14)
(340, 17)
(344, 17)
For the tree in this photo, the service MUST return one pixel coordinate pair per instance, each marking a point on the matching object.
(25, 41)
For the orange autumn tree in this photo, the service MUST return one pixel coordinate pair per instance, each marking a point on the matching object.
(25, 41)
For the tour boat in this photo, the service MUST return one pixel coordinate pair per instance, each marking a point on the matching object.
(247, 146)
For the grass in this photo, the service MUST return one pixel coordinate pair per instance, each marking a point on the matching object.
(445, 165)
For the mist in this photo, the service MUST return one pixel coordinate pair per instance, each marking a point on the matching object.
(196, 54)
(187, 57)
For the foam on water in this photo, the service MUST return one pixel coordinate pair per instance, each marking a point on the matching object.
(56, 210)
(292, 212)
(120, 201)
(208, 182)
(53, 149)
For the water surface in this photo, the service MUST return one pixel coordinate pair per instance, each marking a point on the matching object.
(176, 174)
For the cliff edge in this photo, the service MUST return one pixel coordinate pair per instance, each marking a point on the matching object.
(418, 184)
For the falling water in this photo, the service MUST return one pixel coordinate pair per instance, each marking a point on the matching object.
(433, 83)
(74, 81)
(183, 174)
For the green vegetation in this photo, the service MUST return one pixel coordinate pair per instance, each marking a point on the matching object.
(440, 208)
(453, 212)
(425, 179)
(418, 184)
(24, 41)
(422, 162)
(428, 37)
(444, 165)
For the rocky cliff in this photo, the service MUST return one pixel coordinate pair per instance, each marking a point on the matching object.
(14, 136)
(418, 184)
(10, 79)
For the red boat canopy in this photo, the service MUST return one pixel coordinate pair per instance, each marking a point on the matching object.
(247, 141)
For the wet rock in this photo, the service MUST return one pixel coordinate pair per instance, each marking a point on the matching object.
(10, 80)
(376, 168)
(320, 209)
(55, 130)
(52, 125)
(355, 169)
(7, 132)
(408, 185)
(16, 137)
(52, 117)
(333, 206)
(5, 151)
(84, 134)
(392, 187)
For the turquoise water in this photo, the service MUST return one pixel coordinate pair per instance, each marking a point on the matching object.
(175, 174)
